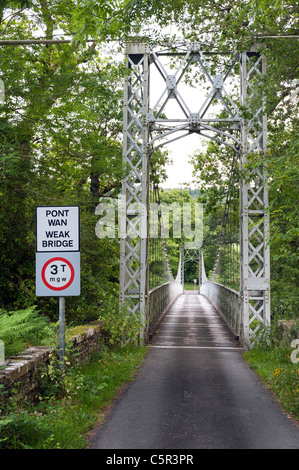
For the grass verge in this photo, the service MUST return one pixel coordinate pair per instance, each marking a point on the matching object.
(190, 286)
(69, 408)
(279, 374)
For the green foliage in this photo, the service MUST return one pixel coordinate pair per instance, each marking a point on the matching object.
(274, 366)
(23, 327)
(106, 20)
(120, 327)
(236, 25)
(22, 428)
(282, 159)
(61, 127)
(60, 144)
(226, 23)
(63, 416)
(179, 197)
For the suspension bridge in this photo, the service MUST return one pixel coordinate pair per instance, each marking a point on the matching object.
(239, 283)
(194, 390)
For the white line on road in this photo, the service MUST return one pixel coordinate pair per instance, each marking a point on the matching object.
(198, 347)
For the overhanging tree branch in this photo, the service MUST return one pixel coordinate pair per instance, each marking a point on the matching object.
(20, 42)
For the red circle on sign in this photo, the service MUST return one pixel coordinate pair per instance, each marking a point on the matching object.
(71, 278)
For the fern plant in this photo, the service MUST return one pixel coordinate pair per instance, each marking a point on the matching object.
(22, 327)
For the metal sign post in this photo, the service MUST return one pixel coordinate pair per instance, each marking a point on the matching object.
(58, 259)
(61, 352)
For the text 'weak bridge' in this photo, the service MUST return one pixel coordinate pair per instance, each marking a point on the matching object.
(238, 127)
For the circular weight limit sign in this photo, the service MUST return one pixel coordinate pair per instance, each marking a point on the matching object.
(58, 274)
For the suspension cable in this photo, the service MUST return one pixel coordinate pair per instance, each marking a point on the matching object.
(225, 215)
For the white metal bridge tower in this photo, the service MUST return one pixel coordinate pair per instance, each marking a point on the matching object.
(146, 129)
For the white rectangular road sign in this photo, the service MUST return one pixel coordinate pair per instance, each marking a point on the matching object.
(58, 274)
(57, 228)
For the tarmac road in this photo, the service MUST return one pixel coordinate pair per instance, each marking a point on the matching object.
(194, 391)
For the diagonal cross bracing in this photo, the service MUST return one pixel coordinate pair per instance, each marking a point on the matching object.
(255, 255)
(146, 129)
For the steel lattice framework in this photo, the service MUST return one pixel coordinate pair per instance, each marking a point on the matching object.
(146, 128)
(254, 237)
(190, 251)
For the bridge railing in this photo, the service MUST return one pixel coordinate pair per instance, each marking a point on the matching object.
(160, 298)
(228, 302)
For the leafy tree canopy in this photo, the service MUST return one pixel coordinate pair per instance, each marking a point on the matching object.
(61, 122)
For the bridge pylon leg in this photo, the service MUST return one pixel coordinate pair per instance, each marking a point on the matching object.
(135, 186)
(254, 226)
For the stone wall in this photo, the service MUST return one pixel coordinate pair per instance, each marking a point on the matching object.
(83, 345)
(22, 374)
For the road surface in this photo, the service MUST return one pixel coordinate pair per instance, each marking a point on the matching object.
(194, 391)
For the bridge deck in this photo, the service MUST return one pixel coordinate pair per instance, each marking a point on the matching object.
(193, 322)
(194, 391)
